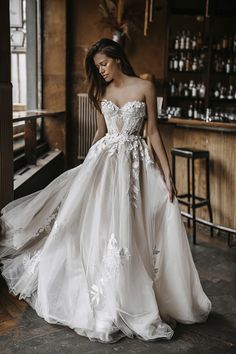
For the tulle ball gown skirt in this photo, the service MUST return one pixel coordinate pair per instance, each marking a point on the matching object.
(102, 249)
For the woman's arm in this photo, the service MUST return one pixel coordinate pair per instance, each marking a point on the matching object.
(101, 128)
(155, 137)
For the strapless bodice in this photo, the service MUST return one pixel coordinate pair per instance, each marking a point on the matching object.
(127, 119)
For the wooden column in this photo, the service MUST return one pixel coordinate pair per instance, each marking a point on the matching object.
(6, 134)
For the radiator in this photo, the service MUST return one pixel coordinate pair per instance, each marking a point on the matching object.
(87, 124)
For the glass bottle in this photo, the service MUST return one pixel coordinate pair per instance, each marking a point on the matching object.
(217, 91)
(187, 63)
(202, 90)
(200, 110)
(199, 40)
(176, 45)
(195, 110)
(181, 62)
(228, 66)
(230, 94)
(194, 65)
(172, 87)
(182, 40)
(186, 90)
(222, 92)
(194, 90)
(190, 111)
(180, 88)
(187, 41)
(225, 42)
(194, 42)
(176, 63)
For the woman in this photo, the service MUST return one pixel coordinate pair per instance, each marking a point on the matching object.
(102, 249)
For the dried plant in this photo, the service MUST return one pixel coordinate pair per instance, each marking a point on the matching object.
(128, 24)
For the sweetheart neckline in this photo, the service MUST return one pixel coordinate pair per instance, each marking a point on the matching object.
(124, 105)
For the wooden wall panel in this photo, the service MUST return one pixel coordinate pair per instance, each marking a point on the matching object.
(221, 147)
(54, 69)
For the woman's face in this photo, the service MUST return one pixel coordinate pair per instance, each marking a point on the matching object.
(107, 67)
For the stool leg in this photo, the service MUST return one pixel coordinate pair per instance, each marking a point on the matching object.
(188, 181)
(208, 192)
(193, 203)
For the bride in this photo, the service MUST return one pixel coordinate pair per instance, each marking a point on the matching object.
(103, 249)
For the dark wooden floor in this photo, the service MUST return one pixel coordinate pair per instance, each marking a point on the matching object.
(23, 332)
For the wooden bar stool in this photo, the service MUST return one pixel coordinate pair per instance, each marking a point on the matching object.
(193, 201)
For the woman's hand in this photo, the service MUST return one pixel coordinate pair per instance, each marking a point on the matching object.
(171, 188)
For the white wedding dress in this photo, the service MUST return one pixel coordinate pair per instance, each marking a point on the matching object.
(101, 249)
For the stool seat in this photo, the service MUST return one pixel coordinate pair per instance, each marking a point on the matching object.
(193, 201)
(190, 152)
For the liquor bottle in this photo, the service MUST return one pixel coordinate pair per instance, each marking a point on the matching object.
(194, 65)
(222, 65)
(176, 45)
(208, 114)
(176, 63)
(200, 110)
(199, 40)
(180, 88)
(225, 42)
(181, 62)
(187, 41)
(186, 90)
(190, 111)
(173, 87)
(188, 62)
(201, 62)
(194, 90)
(194, 42)
(195, 110)
(190, 85)
(228, 66)
(171, 63)
(222, 92)
(182, 40)
(230, 94)
(202, 90)
(217, 91)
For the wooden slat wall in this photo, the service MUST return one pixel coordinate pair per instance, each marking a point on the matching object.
(222, 150)
(6, 146)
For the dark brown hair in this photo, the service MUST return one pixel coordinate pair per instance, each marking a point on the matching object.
(96, 84)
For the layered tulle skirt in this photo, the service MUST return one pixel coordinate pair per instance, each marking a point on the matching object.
(102, 249)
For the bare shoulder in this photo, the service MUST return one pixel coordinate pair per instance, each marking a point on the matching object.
(141, 82)
(145, 87)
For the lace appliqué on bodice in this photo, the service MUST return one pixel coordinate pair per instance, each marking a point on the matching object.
(124, 125)
(127, 119)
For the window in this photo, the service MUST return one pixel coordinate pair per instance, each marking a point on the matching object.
(25, 23)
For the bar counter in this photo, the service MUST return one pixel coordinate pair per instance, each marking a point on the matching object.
(219, 139)
(201, 124)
